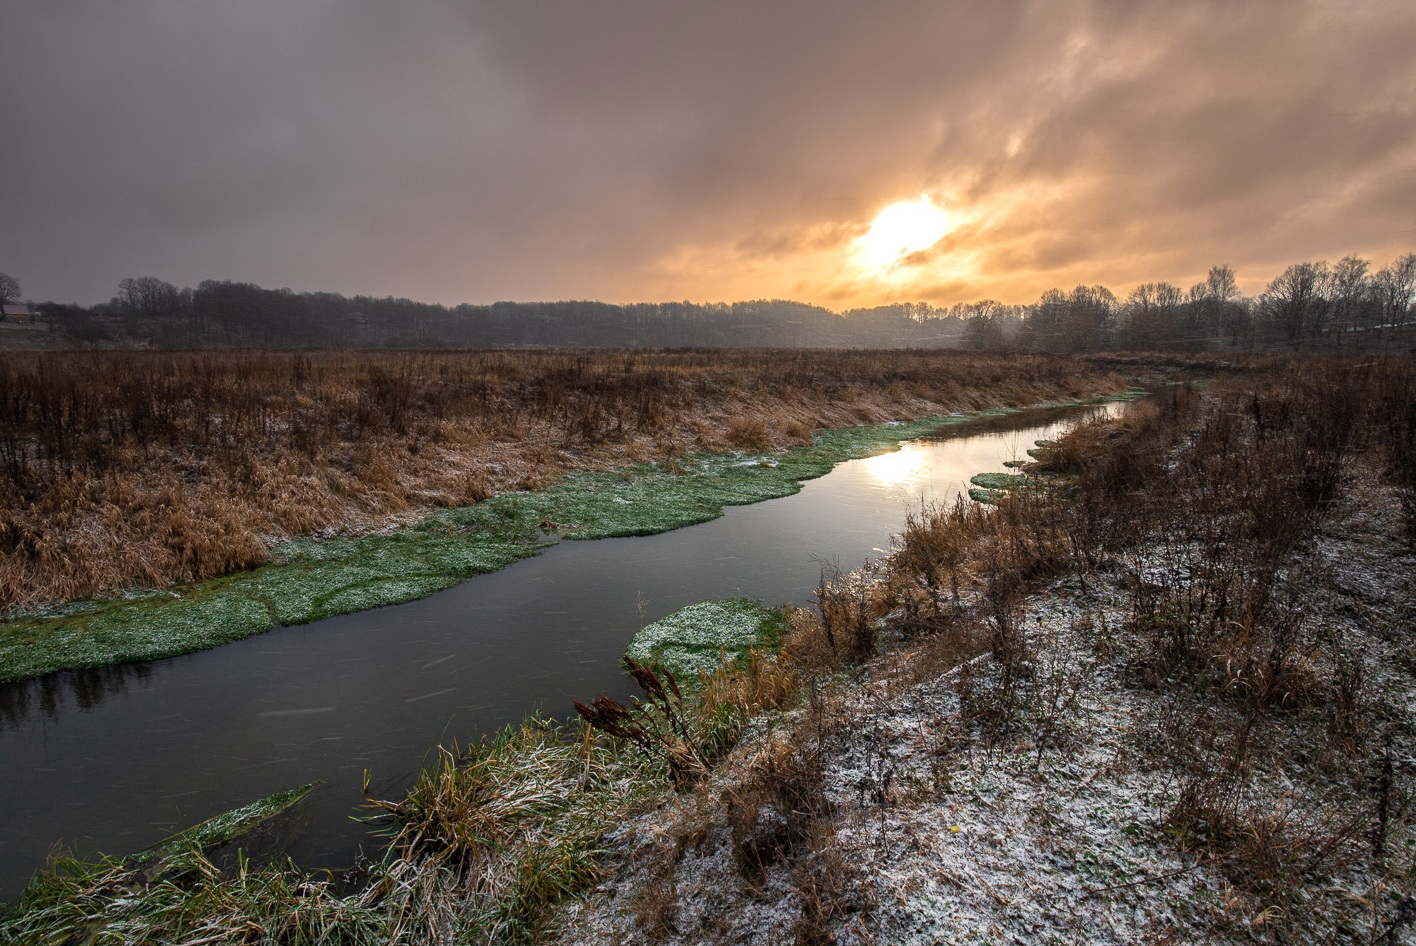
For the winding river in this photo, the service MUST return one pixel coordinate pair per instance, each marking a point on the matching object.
(116, 759)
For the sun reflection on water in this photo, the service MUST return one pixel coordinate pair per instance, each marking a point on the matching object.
(898, 468)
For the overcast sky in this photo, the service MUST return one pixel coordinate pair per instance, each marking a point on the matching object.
(475, 150)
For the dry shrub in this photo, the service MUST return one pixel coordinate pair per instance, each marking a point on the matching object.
(1401, 452)
(748, 433)
(772, 809)
(1078, 448)
(739, 691)
(1247, 475)
(928, 657)
(797, 432)
(829, 887)
(1269, 841)
(475, 487)
(655, 903)
(1246, 805)
(925, 574)
(848, 613)
(805, 646)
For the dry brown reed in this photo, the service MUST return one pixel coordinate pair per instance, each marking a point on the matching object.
(660, 726)
(148, 468)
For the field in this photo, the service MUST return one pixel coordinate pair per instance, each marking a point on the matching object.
(145, 469)
(1163, 699)
(1160, 695)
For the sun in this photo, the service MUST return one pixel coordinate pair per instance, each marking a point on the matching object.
(902, 229)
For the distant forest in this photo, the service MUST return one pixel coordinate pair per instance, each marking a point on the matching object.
(1308, 306)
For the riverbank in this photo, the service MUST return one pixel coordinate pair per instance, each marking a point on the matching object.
(1169, 701)
(122, 470)
(1170, 698)
(312, 578)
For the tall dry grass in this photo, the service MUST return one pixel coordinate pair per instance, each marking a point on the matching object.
(148, 468)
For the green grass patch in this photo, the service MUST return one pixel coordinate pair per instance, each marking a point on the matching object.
(694, 638)
(309, 580)
(230, 826)
(993, 481)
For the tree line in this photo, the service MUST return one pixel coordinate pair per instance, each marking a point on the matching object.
(149, 312)
(1308, 306)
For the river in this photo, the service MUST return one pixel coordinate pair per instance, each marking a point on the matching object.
(116, 759)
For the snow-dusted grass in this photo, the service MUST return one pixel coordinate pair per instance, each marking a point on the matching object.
(993, 481)
(695, 639)
(1050, 838)
(1193, 723)
(1062, 833)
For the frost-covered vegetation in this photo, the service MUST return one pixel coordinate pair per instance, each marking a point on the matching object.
(1166, 698)
(693, 640)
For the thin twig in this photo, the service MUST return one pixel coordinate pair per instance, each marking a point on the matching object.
(1149, 880)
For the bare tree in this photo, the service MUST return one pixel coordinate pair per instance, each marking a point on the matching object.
(1080, 321)
(1221, 285)
(1215, 310)
(9, 289)
(1351, 295)
(1297, 303)
(1394, 287)
(1150, 318)
(985, 333)
(148, 296)
(1091, 318)
(1044, 323)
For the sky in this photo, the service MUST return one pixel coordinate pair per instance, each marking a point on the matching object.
(649, 150)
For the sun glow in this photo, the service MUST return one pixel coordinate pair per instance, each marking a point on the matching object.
(898, 468)
(902, 229)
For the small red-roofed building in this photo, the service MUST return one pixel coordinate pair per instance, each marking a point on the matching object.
(14, 316)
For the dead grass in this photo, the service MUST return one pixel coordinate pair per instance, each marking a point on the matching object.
(146, 468)
(1201, 509)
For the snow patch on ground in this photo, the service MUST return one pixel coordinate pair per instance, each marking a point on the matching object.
(1055, 837)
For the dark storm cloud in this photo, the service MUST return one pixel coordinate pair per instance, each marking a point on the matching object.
(471, 151)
